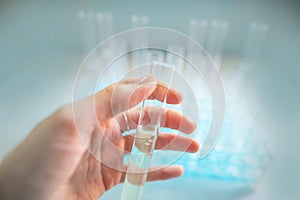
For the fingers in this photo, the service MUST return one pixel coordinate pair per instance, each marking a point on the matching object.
(161, 173)
(170, 119)
(127, 93)
(173, 97)
(167, 141)
(175, 120)
(165, 173)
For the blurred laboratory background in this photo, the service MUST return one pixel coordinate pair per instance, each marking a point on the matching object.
(254, 44)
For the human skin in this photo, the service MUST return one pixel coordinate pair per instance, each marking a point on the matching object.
(58, 161)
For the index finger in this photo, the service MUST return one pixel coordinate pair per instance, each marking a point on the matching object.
(127, 93)
(162, 91)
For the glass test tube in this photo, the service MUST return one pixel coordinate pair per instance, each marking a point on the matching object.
(105, 23)
(255, 39)
(139, 39)
(216, 40)
(105, 26)
(144, 144)
(242, 123)
(174, 59)
(87, 29)
(197, 30)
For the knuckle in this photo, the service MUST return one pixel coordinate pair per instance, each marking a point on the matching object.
(64, 119)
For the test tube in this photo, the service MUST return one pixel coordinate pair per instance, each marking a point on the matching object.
(139, 39)
(105, 23)
(216, 40)
(255, 39)
(157, 55)
(242, 122)
(87, 29)
(197, 30)
(144, 143)
(139, 21)
(174, 59)
(120, 47)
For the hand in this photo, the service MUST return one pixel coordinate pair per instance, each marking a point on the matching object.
(82, 157)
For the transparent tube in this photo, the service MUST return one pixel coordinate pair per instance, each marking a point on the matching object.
(105, 23)
(174, 59)
(255, 39)
(216, 40)
(144, 144)
(87, 29)
(197, 30)
(139, 39)
(236, 94)
(139, 21)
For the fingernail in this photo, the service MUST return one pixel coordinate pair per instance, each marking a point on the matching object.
(194, 126)
(147, 79)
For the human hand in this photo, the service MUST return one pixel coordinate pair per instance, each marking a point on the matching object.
(81, 156)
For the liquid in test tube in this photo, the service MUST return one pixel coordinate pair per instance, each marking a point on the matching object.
(141, 154)
(144, 143)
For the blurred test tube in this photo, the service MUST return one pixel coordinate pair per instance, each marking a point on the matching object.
(174, 59)
(105, 29)
(152, 55)
(139, 21)
(216, 40)
(120, 47)
(139, 39)
(255, 39)
(105, 24)
(197, 30)
(87, 29)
